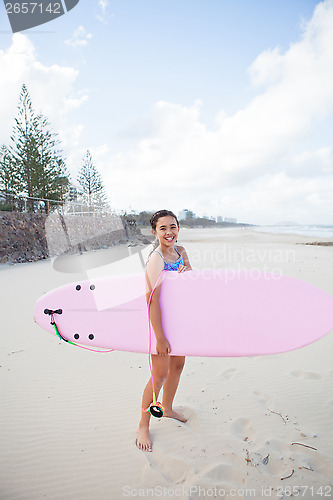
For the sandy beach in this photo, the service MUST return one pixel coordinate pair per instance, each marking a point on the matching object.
(69, 417)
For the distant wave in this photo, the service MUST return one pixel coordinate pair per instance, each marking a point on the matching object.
(310, 230)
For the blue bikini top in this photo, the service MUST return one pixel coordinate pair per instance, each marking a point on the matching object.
(172, 266)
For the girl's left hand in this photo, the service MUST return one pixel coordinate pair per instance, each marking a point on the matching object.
(181, 269)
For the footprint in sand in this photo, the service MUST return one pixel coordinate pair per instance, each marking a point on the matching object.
(242, 429)
(230, 373)
(262, 398)
(300, 374)
(220, 471)
(163, 470)
(193, 422)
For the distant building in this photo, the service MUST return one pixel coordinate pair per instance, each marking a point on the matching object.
(182, 215)
(186, 214)
(230, 219)
(219, 218)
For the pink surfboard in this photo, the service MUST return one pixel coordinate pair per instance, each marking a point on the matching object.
(204, 313)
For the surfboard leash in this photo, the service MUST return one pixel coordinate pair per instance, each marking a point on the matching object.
(155, 408)
(57, 332)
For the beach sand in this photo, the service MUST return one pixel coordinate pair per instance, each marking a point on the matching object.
(69, 417)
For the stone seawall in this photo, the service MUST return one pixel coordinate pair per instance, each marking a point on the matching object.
(28, 237)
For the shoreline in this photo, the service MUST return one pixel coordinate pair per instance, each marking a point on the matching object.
(230, 231)
(207, 233)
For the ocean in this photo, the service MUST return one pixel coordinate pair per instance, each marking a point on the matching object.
(319, 231)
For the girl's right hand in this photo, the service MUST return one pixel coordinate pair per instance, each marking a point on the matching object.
(163, 347)
(181, 269)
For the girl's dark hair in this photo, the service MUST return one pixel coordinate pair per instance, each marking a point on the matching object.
(161, 213)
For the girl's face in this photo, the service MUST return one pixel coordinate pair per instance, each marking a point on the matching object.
(167, 230)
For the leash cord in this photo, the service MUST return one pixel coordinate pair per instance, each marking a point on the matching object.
(56, 329)
(150, 335)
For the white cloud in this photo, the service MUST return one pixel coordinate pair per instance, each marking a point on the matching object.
(103, 4)
(302, 164)
(80, 38)
(52, 90)
(254, 164)
(103, 11)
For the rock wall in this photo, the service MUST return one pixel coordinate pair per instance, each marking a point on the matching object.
(28, 237)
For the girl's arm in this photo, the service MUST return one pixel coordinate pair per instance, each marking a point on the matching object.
(187, 265)
(154, 268)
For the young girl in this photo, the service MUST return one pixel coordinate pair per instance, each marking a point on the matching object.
(166, 369)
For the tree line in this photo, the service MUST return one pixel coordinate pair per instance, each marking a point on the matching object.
(32, 165)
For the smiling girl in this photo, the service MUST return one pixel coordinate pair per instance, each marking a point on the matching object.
(166, 369)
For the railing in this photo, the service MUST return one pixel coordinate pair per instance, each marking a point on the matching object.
(15, 203)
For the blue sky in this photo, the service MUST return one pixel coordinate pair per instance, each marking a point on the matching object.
(223, 107)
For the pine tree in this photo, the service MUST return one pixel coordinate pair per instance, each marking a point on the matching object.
(9, 178)
(51, 180)
(35, 156)
(23, 151)
(91, 182)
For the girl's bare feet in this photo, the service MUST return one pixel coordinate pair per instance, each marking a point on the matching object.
(174, 414)
(143, 440)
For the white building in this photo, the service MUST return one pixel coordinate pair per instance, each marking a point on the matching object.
(182, 214)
